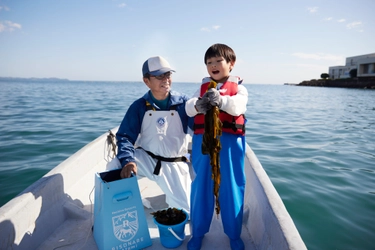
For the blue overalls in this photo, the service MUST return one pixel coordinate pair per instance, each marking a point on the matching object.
(232, 186)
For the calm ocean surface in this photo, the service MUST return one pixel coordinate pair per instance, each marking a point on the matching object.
(316, 144)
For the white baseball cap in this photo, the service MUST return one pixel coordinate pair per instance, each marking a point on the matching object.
(156, 66)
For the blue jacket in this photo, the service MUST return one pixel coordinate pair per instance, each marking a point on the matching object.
(130, 126)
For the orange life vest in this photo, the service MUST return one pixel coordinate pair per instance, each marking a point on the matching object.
(231, 124)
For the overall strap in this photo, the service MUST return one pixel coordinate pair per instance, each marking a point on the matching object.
(151, 107)
(161, 158)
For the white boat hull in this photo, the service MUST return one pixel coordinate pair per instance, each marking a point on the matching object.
(57, 210)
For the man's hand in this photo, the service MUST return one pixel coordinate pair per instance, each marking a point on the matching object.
(203, 104)
(128, 169)
(215, 97)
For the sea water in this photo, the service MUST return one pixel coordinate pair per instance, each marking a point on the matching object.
(316, 144)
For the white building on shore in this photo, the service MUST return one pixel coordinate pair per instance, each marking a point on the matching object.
(364, 66)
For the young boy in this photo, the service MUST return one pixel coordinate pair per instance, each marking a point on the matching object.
(231, 98)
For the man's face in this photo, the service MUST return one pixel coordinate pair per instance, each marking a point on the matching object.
(159, 85)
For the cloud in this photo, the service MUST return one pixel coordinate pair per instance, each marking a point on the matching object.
(358, 25)
(9, 26)
(354, 25)
(319, 56)
(4, 8)
(312, 9)
(214, 27)
(122, 5)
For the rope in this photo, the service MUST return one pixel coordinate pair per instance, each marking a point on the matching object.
(111, 139)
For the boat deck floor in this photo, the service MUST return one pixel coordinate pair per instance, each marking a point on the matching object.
(76, 232)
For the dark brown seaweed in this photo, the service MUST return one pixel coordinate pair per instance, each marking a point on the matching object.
(211, 145)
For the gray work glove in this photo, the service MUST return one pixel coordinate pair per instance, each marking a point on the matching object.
(215, 97)
(203, 104)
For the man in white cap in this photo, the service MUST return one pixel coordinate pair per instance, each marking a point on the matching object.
(152, 138)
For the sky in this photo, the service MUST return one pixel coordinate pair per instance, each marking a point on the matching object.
(275, 41)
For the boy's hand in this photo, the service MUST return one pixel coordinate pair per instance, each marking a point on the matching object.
(203, 104)
(215, 97)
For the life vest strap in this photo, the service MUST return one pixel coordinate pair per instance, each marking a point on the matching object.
(234, 126)
(226, 124)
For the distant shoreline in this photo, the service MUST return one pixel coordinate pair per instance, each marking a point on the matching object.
(55, 79)
(357, 82)
(52, 80)
(33, 79)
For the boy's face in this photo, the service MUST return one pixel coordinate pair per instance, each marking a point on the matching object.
(218, 68)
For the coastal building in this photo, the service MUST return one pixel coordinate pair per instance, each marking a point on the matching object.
(363, 65)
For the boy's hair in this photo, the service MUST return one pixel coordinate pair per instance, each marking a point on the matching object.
(219, 49)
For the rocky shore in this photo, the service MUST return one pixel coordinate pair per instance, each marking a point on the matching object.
(357, 82)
